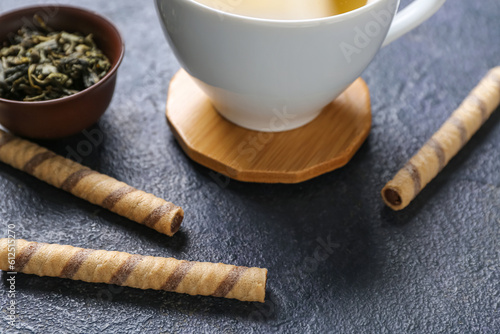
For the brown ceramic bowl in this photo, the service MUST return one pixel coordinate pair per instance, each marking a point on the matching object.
(68, 115)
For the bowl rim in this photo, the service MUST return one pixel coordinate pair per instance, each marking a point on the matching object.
(108, 75)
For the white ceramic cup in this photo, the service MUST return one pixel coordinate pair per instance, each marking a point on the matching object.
(277, 75)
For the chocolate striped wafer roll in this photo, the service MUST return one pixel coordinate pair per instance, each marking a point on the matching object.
(445, 143)
(90, 185)
(136, 271)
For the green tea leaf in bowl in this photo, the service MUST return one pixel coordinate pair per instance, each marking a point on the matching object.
(40, 65)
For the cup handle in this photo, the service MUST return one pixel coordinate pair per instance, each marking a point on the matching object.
(411, 17)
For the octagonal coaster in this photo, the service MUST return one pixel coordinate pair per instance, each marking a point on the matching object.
(323, 145)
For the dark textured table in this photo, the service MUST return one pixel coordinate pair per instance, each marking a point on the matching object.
(338, 260)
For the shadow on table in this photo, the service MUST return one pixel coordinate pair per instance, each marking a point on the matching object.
(403, 217)
(113, 297)
(60, 201)
(319, 225)
(84, 148)
(331, 227)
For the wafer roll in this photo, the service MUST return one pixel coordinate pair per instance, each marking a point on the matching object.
(445, 143)
(136, 271)
(90, 185)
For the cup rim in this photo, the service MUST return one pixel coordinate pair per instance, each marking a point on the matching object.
(108, 75)
(334, 18)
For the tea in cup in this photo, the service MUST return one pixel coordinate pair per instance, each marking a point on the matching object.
(285, 9)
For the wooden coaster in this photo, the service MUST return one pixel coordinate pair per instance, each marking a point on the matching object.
(325, 144)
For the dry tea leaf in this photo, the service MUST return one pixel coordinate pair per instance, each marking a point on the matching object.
(44, 64)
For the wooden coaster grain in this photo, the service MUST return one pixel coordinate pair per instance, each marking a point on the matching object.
(323, 145)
